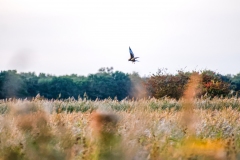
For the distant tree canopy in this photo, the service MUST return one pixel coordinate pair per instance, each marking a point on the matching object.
(164, 84)
(235, 81)
(12, 85)
(114, 84)
(103, 84)
(213, 84)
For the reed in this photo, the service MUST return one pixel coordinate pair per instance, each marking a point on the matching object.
(187, 128)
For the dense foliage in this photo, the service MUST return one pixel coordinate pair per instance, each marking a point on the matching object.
(103, 84)
(215, 84)
(107, 83)
(164, 84)
(212, 84)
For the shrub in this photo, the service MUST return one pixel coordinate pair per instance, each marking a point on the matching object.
(161, 84)
(213, 85)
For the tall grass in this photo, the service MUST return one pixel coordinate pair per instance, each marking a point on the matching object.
(129, 129)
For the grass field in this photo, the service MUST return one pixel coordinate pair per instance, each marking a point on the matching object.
(141, 129)
(127, 129)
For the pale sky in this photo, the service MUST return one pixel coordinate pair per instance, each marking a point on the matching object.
(80, 36)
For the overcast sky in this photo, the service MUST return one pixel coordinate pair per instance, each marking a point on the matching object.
(79, 36)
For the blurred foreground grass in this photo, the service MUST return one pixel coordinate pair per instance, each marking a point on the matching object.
(128, 129)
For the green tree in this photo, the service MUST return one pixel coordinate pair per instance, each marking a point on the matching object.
(107, 83)
(63, 86)
(236, 82)
(31, 81)
(12, 85)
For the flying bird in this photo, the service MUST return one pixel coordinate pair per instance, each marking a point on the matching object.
(132, 58)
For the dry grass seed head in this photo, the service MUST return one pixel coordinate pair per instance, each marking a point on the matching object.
(188, 117)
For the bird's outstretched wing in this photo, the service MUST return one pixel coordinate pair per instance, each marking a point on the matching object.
(131, 53)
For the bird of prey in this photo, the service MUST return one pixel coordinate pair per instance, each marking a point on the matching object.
(132, 58)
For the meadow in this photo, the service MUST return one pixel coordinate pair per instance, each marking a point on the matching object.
(128, 129)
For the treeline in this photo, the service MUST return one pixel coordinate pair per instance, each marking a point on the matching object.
(103, 84)
(212, 85)
(107, 83)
